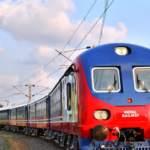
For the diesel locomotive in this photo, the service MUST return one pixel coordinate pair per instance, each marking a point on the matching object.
(101, 102)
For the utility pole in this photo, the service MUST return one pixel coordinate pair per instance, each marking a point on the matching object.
(7, 102)
(30, 87)
(29, 96)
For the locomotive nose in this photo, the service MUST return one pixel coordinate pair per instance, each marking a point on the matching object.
(100, 133)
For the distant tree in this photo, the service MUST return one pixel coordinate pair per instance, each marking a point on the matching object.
(1, 105)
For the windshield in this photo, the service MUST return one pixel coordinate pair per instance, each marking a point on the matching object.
(106, 80)
(142, 79)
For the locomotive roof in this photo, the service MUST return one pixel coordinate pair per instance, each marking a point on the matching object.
(106, 53)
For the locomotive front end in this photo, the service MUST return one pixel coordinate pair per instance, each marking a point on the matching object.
(114, 96)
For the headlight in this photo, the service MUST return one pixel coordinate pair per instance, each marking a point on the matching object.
(121, 50)
(101, 114)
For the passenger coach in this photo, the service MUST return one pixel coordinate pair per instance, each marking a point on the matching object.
(38, 116)
(18, 117)
(4, 117)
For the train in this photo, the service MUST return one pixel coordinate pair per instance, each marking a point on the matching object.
(102, 102)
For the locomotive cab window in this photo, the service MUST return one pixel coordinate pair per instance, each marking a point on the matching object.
(106, 80)
(142, 79)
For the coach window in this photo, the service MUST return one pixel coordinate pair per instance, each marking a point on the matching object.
(106, 80)
(68, 96)
(142, 79)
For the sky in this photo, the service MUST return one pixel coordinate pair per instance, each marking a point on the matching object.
(31, 30)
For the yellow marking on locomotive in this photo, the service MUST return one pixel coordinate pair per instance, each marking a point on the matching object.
(73, 103)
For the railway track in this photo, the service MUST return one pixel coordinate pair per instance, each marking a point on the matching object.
(33, 142)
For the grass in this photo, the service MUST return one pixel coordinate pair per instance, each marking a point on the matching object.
(2, 132)
(8, 144)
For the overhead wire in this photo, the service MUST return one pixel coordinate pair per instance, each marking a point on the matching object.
(62, 48)
(79, 25)
(2, 99)
(35, 95)
(81, 40)
(40, 69)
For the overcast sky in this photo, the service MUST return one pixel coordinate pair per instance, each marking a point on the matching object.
(31, 30)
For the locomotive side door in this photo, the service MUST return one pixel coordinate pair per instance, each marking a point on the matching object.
(74, 104)
(68, 97)
(70, 106)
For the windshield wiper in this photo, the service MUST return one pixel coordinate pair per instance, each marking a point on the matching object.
(139, 82)
(114, 85)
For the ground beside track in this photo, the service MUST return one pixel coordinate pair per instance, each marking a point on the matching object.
(16, 141)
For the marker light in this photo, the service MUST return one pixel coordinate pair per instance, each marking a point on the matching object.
(129, 100)
(121, 50)
(101, 114)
